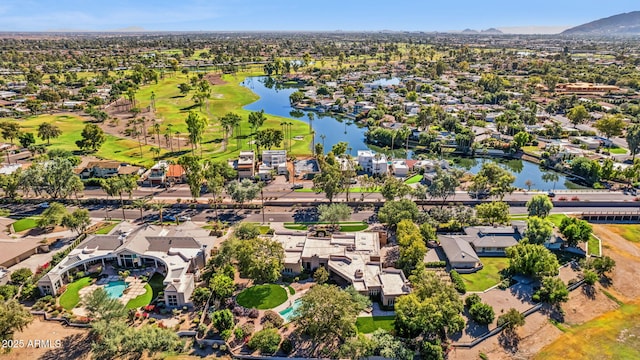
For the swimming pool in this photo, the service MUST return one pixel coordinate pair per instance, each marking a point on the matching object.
(115, 288)
(288, 313)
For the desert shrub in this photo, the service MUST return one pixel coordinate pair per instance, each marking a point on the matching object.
(272, 318)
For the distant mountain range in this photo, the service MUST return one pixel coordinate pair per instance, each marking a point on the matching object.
(621, 24)
(491, 31)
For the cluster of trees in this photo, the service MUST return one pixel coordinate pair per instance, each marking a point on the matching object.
(333, 179)
(493, 180)
(54, 178)
(57, 214)
(412, 244)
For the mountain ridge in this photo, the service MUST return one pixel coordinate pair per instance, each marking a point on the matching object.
(619, 24)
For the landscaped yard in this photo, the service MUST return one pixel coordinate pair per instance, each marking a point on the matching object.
(414, 179)
(262, 297)
(613, 335)
(369, 324)
(556, 219)
(106, 228)
(618, 151)
(141, 300)
(70, 298)
(25, 224)
(593, 245)
(156, 284)
(488, 276)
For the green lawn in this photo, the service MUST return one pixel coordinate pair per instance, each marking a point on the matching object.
(353, 228)
(618, 151)
(262, 297)
(156, 284)
(141, 300)
(414, 179)
(369, 324)
(355, 189)
(70, 298)
(488, 276)
(531, 149)
(613, 335)
(593, 245)
(556, 219)
(106, 228)
(292, 291)
(25, 224)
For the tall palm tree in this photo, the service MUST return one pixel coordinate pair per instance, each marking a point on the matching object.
(142, 204)
(156, 129)
(178, 138)
(159, 205)
(143, 121)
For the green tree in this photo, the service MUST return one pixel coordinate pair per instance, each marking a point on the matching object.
(511, 320)
(77, 221)
(334, 213)
(329, 181)
(200, 296)
(223, 320)
(101, 306)
(26, 139)
(10, 130)
(13, 317)
(256, 119)
(48, 131)
(260, 259)
(242, 191)
(192, 166)
(222, 286)
(432, 309)
(610, 125)
(388, 346)
(393, 188)
(268, 138)
(538, 230)
(92, 138)
(493, 179)
(411, 244)
(539, 205)
(633, 139)
(394, 211)
(229, 122)
(266, 341)
(217, 174)
(52, 216)
(578, 114)
(493, 212)
(482, 313)
(601, 265)
(575, 230)
(20, 276)
(58, 178)
(553, 290)
(327, 314)
(586, 168)
(247, 231)
(141, 204)
(321, 275)
(195, 126)
(532, 260)
(521, 139)
(444, 185)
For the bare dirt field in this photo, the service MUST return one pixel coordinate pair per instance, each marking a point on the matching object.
(581, 307)
(58, 342)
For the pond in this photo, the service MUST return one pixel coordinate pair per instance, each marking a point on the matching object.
(542, 179)
(329, 129)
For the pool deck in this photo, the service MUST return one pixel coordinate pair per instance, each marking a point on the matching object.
(135, 288)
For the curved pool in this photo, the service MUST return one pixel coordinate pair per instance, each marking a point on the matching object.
(288, 313)
(115, 289)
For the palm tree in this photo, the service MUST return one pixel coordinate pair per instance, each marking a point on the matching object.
(156, 129)
(178, 138)
(143, 121)
(159, 206)
(142, 204)
(156, 151)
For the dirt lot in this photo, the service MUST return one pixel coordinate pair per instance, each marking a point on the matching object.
(581, 307)
(64, 342)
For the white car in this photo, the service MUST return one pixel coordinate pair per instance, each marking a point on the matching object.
(184, 218)
(43, 205)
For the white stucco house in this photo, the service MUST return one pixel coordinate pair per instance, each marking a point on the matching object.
(177, 252)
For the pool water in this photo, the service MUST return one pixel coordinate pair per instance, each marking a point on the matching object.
(115, 289)
(288, 313)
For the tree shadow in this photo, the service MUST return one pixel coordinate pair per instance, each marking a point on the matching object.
(190, 107)
(509, 340)
(75, 346)
(589, 291)
(606, 281)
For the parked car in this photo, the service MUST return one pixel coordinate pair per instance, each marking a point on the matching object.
(43, 205)
(297, 186)
(551, 194)
(168, 217)
(184, 218)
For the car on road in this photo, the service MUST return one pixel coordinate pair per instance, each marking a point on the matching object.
(297, 186)
(44, 205)
(551, 194)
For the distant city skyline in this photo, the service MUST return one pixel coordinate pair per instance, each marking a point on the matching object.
(542, 16)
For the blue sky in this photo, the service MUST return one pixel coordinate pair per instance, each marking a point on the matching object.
(230, 15)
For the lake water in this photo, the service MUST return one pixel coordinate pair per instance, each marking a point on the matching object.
(275, 101)
(523, 171)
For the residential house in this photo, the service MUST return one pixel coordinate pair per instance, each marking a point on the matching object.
(176, 174)
(352, 259)
(372, 163)
(107, 168)
(157, 175)
(177, 252)
(246, 165)
(400, 168)
(273, 158)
